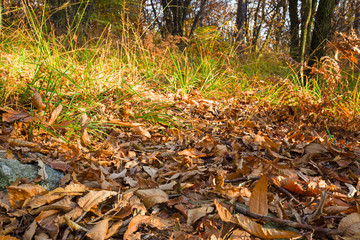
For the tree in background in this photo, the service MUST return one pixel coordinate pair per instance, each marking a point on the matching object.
(357, 18)
(240, 21)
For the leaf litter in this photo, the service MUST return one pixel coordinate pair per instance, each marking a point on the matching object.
(220, 169)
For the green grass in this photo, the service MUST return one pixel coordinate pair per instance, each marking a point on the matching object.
(86, 78)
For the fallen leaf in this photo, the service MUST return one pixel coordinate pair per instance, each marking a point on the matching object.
(55, 114)
(99, 231)
(36, 100)
(258, 199)
(141, 131)
(93, 198)
(151, 197)
(12, 115)
(152, 220)
(195, 214)
(18, 194)
(267, 233)
(350, 225)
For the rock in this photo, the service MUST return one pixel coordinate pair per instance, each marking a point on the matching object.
(10, 170)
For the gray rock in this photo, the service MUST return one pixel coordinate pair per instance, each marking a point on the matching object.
(10, 170)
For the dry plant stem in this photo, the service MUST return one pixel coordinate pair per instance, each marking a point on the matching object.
(241, 179)
(287, 223)
(287, 193)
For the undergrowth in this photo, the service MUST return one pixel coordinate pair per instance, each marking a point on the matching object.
(85, 78)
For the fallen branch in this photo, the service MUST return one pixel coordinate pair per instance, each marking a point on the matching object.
(287, 223)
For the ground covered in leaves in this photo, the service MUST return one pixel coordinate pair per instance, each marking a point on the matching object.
(187, 168)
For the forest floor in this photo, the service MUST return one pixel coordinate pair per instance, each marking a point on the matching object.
(189, 168)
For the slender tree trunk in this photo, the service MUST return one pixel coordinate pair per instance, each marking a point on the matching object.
(310, 27)
(307, 7)
(240, 22)
(322, 27)
(280, 18)
(197, 16)
(294, 29)
(257, 27)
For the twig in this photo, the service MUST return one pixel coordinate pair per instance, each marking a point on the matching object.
(287, 223)
(287, 193)
(241, 179)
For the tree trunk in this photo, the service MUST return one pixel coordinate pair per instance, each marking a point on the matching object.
(175, 14)
(257, 25)
(322, 26)
(294, 29)
(197, 17)
(240, 21)
(307, 8)
(280, 18)
(310, 27)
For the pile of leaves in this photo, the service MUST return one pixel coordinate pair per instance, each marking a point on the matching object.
(202, 169)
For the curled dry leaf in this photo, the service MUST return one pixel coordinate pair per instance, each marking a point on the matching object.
(85, 138)
(36, 100)
(21, 143)
(258, 199)
(266, 233)
(18, 194)
(55, 114)
(195, 214)
(350, 226)
(42, 170)
(152, 220)
(141, 131)
(99, 231)
(150, 197)
(84, 121)
(93, 198)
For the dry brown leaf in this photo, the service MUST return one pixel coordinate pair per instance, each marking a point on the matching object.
(73, 225)
(84, 121)
(224, 214)
(11, 115)
(195, 214)
(114, 228)
(267, 233)
(141, 131)
(55, 114)
(258, 199)
(71, 188)
(85, 138)
(93, 198)
(315, 148)
(42, 236)
(36, 100)
(152, 220)
(151, 171)
(220, 150)
(30, 231)
(18, 194)
(350, 225)
(99, 231)
(151, 197)
(42, 170)
(21, 143)
(9, 154)
(192, 153)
